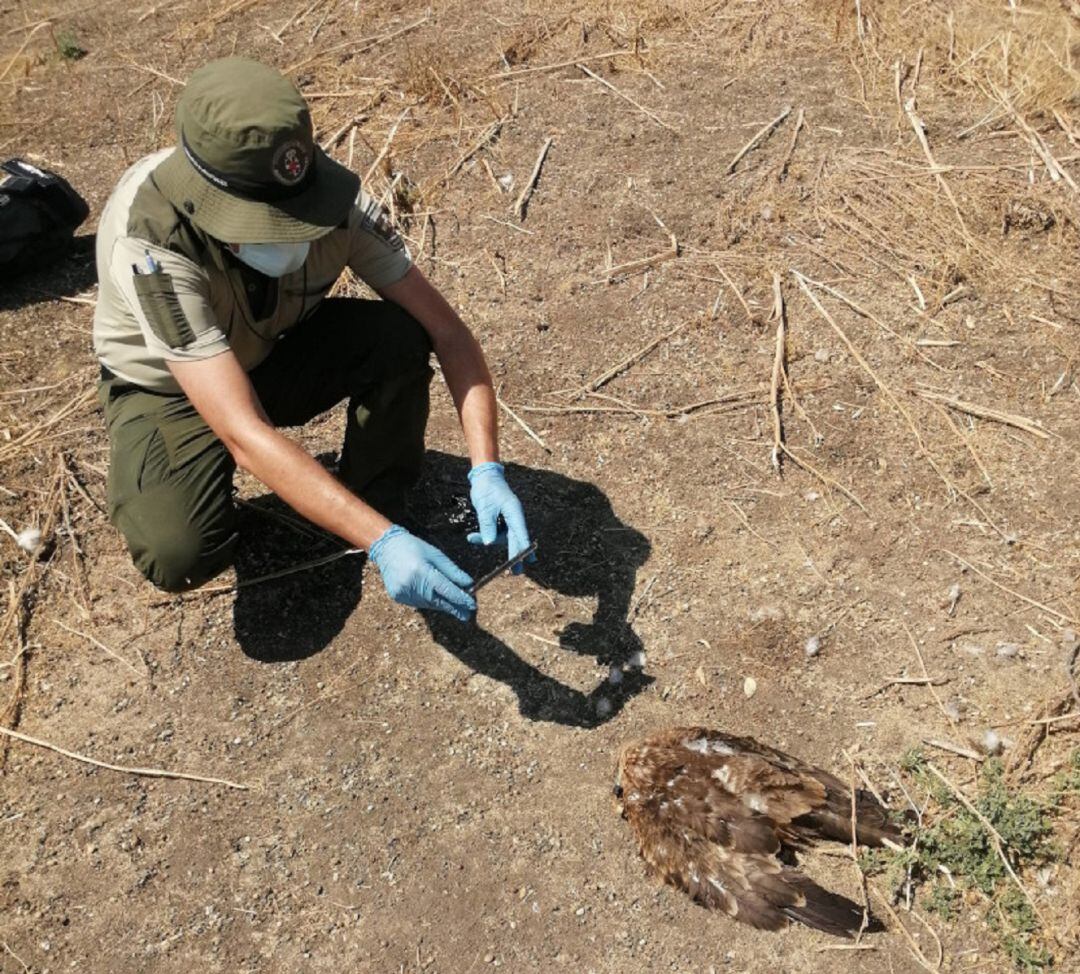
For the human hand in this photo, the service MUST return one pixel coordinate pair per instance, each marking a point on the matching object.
(492, 498)
(417, 574)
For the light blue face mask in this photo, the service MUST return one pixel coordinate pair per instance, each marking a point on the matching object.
(274, 259)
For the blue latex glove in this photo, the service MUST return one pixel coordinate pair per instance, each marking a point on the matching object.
(492, 498)
(419, 575)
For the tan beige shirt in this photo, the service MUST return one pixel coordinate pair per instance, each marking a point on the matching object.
(196, 306)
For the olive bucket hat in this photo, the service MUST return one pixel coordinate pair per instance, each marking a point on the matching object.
(247, 169)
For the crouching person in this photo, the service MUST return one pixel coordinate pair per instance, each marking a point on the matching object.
(213, 329)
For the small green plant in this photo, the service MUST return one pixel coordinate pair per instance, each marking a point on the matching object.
(1016, 925)
(953, 852)
(69, 47)
(944, 901)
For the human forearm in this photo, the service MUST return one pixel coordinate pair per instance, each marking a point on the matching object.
(461, 359)
(301, 481)
(221, 392)
(469, 382)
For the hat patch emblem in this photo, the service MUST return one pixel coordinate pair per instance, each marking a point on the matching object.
(290, 163)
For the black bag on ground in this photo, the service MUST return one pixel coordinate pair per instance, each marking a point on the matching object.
(39, 212)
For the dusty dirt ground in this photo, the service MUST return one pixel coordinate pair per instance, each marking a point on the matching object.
(429, 797)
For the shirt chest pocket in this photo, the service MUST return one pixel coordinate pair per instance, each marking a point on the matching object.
(301, 301)
(235, 311)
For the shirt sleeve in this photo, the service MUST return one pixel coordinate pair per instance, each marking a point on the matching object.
(169, 296)
(377, 254)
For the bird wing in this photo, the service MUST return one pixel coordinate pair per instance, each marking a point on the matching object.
(763, 780)
(812, 801)
(697, 804)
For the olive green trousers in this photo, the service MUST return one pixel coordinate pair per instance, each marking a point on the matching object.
(170, 477)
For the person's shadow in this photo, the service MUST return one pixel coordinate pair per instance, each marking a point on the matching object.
(584, 551)
(283, 611)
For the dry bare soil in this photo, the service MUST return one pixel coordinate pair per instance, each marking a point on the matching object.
(427, 797)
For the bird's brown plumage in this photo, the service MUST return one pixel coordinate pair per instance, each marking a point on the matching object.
(712, 813)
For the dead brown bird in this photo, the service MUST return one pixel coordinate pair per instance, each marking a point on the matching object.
(721, 817)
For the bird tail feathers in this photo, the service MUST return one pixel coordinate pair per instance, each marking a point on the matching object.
(825, 911)
(833, 819)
